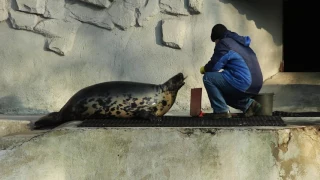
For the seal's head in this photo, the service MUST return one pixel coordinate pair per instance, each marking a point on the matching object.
(174, 83)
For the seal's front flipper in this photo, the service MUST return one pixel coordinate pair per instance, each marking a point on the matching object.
(148, 115)
(47, 122)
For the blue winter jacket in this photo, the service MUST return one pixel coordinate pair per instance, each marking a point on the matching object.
(239, 62)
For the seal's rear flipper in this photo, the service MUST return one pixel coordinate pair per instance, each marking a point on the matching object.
(47, 122)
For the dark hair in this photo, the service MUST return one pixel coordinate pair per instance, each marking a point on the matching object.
(217, 32)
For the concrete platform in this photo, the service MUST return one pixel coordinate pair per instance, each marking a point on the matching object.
(164, 153)
(16, 129)
(69, 152)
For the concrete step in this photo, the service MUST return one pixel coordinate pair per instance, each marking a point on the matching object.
(164, 153)
(15, 130)
(10, 124)
(294, 92)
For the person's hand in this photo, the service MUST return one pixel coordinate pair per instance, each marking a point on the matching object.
(202, 71)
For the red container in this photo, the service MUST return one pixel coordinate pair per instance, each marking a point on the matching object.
(195, 102)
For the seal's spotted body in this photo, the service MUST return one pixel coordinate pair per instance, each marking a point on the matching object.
(119, 99)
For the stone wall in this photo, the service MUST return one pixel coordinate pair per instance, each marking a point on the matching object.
(166, 153)
(51, 49)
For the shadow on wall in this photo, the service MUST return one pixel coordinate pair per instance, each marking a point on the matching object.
(265, 14)
(13, 105)
(158, 33)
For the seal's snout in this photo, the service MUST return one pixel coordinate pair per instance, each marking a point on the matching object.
(180, 78)
(176, 82)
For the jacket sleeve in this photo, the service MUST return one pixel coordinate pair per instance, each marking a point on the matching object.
(217, 60)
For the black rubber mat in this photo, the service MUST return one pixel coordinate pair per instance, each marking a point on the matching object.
(178, 121)
(296, 114)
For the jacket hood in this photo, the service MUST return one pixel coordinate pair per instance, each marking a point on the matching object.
(244, 40)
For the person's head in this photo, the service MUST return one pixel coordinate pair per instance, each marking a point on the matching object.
(217, 32)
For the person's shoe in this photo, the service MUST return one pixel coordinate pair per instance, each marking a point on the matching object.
(225, 115)
(253, 109)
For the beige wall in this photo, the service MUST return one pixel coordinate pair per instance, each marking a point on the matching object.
(44, 60)
(165, 153)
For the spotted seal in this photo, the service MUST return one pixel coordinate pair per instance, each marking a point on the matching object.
(117, 99)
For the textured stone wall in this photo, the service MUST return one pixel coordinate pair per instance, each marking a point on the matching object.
(51, 49)
(59, 20)
(166, 153)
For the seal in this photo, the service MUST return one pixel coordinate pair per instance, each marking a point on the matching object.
(117, 99)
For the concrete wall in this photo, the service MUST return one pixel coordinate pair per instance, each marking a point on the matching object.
(166, 153)
(51, 49)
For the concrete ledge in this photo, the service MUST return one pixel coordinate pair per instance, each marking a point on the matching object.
(294, 92)
(166, 153)
(13, 124)
(10, 127)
